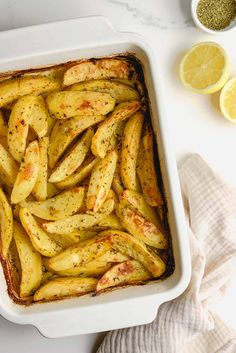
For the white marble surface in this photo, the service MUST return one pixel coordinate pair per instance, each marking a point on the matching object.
(195, 123)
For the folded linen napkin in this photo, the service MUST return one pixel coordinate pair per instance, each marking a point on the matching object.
(186, 325)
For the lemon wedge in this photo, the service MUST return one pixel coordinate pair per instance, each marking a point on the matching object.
(228, 100)
(205, 68)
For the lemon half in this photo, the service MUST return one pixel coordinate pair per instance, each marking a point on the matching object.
(228, 100)
(205, 68)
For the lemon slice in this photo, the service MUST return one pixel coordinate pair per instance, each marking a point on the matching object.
(228, 100)
(205, 68)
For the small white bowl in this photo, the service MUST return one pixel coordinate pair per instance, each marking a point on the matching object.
(231, 27)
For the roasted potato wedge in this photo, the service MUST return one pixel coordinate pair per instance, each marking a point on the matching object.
(130, 149)
(136, 200)
(77, 221)
(67, 104)
(97, 69)
(52, 190)
(27, 175)
(31, 262)
(79, 254)
(47, 276)
(100, 181)
(96, 267)
(106, 208)
(40, 188)
(63, 133)
(11, 90)
(39, 117)
(58, 288)
(113, 255)
(60, 206)
(141, 228)
(73, 159)
(117, 183)
(69, 239)
(119, 91)
(129, 245)
(3, 125)
(147, 174)
(63, 240)
(18, 126)
(51, 122)
(14, 268)
(8, 167)
(92, 269)
(80, 174)
(101, 139)
(128, 272)
(110, 221)
(39, 238)
(6, 224)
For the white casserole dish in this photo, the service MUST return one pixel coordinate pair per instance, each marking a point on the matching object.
(55, 43)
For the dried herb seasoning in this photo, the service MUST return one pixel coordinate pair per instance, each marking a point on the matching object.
(216, 14)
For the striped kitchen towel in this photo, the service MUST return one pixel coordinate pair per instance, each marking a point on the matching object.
(186, 324)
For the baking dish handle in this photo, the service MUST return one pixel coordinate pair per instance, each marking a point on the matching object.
(90, 319)
(89, 32)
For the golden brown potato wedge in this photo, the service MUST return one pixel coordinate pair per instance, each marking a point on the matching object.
(31, 262)
(119, 91)
(106, 208)
(117, 183)
(101, 139)
(129, 245)
(64, 132)
(96, 267)
(13, 266)
(128, 272)
(27, 175)
(12, 89)
(92, 269)
(147, 174)
(60, 206)
(39, 117)
(97, 69)
(8, 167)
(79, 254)
(40, 188)
(130, 149)
(100, 181)
(58, 288)
(47, 276)
(6, 224)
(80, 174)
(51, 123)
(18, 126)
(3, 125)
(141, 228)
(69, 239)
(39, 238)
(73, 159)
(52, 190)
(67, 104)
(110, 221)
(136, 200)
(77, 221)
(63, 240)
(113, 255)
